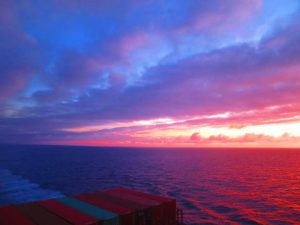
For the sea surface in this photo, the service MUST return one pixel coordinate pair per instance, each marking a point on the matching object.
(213, 186)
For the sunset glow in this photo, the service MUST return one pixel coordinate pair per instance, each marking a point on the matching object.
(185, 73)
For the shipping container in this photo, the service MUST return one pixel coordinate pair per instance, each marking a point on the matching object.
(126, 215)
(143, 214)
(106, 217)
(10, 215)
(157, 211)
(118, 206)
(70, 214)
(169, 204)
(40, 216)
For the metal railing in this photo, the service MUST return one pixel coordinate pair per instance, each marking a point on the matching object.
(179, 216)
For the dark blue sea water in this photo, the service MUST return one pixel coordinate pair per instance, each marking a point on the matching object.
(213, 186)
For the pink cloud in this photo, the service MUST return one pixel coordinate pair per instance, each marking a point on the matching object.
(195, 140)
(195, 137)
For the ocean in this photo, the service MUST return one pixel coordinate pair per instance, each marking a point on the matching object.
(212, 186)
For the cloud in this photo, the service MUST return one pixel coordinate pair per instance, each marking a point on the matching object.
(195, 137)
(250, 138)
(18, 55)
(101, 62)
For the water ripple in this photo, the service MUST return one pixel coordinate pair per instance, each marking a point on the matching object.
(15, 189)
(213, 186)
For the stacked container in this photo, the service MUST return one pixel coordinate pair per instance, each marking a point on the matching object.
(112, 207)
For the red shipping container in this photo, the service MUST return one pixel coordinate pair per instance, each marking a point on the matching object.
(143, 214)
(168, 203)
(126, 215)
(9, 215)
(71, 215)
(40, 216)
(155, 206)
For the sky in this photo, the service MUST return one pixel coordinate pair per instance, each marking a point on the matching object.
(173, 73)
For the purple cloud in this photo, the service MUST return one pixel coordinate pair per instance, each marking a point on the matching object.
(67, 64)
